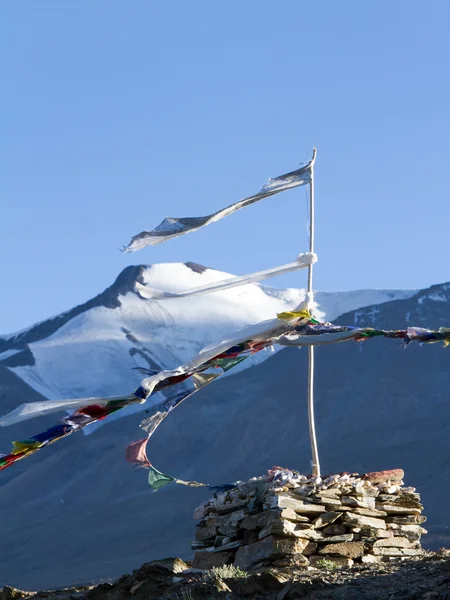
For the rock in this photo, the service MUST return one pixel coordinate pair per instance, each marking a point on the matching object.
(336, 529)
(260, 520)
(200, 511)
(326, 519)
(134, 588)
(220, 540)
(249, 537)
(360, 502)
(174, 565)
(298, 506)
(247, 587)
(287, 528)
(384, 476)
(397, 552)
(230, 546)
(370, 559)
(223, 509)
(399, 510)
(221, 585)
(291, 515)
(396, 500)
(311, 548)
(269, 548)
(204, 533)
(251, 486)
(369, 512)
(295, 560)
(393, 542)
(257, 521)
(345, 537)
(273, 580)
(364, 522)
(445, 566)
(339, 561)
(229, 524)
(411, 529)
(329, 493)
(412, 532)
(347, 549)
(330, 501)
(229, 530)
(407, 520)
(10, 593)
(198, 545)
(376, 533)
(209, 560)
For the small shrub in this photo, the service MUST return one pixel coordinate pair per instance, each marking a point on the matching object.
(185, 594)
(223, 572)
(325, 563)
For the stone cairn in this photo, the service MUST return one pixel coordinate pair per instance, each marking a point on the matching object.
(287, 520)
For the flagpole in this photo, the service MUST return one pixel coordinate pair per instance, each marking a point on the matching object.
(310, 294)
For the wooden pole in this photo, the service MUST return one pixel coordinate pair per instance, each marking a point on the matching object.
(312, 426)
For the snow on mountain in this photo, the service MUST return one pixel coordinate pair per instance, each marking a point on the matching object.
(92, 349)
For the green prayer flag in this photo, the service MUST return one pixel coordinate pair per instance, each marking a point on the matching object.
(227, 363)
(157, 480)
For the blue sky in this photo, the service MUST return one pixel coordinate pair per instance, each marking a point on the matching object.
(115, 114)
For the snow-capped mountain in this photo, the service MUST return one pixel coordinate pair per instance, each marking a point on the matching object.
(92, 349)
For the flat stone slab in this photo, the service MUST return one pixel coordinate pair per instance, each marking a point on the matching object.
(268, 548)
(359, 502)
(407, 519)
(397, 552)
(345, 537)
(370, 512)
(364, 522)
(393, 542)
(347, 549)
(297, 506)
(223, 509)
(288, 528)
(390, 509)
(326, 519)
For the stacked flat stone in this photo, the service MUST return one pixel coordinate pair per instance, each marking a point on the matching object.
(286, 519)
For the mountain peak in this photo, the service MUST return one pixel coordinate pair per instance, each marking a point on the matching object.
(124, 283)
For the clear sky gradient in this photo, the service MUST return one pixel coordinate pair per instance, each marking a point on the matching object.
(115, 114)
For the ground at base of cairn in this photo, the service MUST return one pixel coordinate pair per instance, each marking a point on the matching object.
(425, 578)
